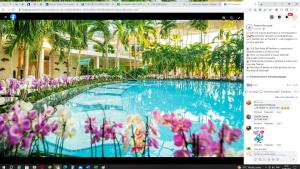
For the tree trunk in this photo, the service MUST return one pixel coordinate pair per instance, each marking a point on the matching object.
(78, 63)
(52, 63)
(140, 53)
(97, 63)
(134, 56)
(175, 71)
(117, 55)
(130, 65)
(106, 57)
(41, 63)
(169, 37)
(187, 72)
(68, 62)
(49, 66)
(20, 61)
(26, 61)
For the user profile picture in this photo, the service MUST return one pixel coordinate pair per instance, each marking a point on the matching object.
(248, 148)
(238, 167)
(249, 27)
(248, 128)
(248, 102)
(248, 116)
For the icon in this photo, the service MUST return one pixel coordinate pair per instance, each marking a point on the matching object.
(34, 167)
(271, 16)
(286, 16)
(49, 166)
(26, 167)
(80, 167)
(249, 27)
(11, 167)
(72, 166)
(103, 167)
(88, 167)
(13, 17)
(248, 116)
(42, 167)
(248, 102)
(248, 128)
(65, 167)
(19, 166)
(3, 167)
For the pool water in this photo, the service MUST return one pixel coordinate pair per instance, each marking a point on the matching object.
(197, 100)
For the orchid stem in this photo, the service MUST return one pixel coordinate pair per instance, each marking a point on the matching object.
(133, 140)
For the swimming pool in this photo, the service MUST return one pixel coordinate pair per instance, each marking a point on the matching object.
(197, 100)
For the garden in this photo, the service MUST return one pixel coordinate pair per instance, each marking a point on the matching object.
(157, 88)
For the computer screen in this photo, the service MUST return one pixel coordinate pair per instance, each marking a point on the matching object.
(149, 85)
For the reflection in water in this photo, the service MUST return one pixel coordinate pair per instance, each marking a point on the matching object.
(222, 102)
(219, 100)
(197, 100)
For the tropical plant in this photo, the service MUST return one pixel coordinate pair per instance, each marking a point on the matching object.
(166, 27)
(121, 36)
(225, 59)
(200, 25)
(102, 28)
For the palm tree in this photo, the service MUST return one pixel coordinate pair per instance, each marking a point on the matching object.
(141, 31)
(227, 55)
(201, 52)
(131, 30)
(59, 43)
(5, 29)
(121, 36)
(200, 25)
(166, 27)
(71, 29)
(81, 40)
(238, 46)
(101, 27)
(22, 37)
(104, 48)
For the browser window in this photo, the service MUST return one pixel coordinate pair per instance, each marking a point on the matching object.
(96, 85)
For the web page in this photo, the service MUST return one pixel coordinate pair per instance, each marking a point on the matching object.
(149, 85)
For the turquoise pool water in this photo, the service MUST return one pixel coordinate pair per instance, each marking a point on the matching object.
(222, 102)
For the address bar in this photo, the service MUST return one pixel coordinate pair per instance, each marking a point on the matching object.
(134, 10)
(79, 10)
